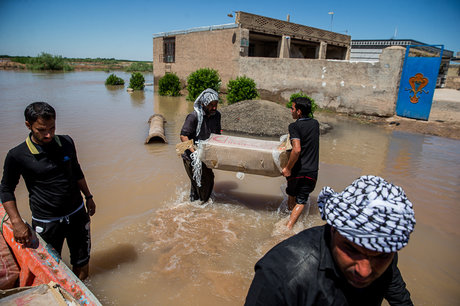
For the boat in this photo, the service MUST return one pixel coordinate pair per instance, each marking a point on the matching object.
(41, 269)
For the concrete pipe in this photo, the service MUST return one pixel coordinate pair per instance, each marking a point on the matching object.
(157, 130)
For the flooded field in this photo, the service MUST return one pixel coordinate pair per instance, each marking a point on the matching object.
(151, 246)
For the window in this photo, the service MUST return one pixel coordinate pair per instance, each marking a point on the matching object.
(169, 49)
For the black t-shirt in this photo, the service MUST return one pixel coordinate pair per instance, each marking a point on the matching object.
(50, 172)
(307, 131)
(209, 125)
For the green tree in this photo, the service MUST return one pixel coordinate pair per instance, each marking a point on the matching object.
(137, 81)
(243, 88)
(169, 85)
(200, 80)
(140, 66)
(114, 80)
(314, 106)
(46, 61)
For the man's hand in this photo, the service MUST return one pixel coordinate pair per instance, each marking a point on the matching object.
(286, 172)
(91, 206)
(185, 139)
(21, 232)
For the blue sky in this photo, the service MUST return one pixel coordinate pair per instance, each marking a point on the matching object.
(123, 29)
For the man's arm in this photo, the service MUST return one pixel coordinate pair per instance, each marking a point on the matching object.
(81, 181)
(90, 205)
(397, 293)
(293, 157)
(21, 231)
(10, 179)
(265, 289)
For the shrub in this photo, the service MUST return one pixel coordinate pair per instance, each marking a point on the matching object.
(140, 66)
(301, 94)
(114, 80)
(46, 61)
(137, 81)
(200, 80)
(243, 88)
(21, 59)
(169, 85)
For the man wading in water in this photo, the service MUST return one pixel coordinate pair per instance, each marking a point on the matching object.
(204, 120)
(301, 170)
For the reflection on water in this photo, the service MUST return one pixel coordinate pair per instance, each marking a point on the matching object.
(151, 246)
(137, 98)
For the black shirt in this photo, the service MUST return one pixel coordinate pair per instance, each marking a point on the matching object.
(50, 172)
(209, 125)
(307, 131)
(301, 271)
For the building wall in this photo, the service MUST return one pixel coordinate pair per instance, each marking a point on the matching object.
(453, 82)
(453, 77)
(217, 49)
(365, 55)
(368, 88)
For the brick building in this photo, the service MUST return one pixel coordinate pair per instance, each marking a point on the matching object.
(222, 47)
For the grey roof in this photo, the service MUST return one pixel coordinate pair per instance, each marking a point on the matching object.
(383, 43)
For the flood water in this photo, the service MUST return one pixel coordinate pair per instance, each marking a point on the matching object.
(151, 246)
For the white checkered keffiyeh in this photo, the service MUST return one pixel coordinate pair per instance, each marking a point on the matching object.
(206, 97)
(370, 212)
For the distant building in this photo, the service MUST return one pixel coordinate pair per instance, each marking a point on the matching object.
(221, 47)
(369, 50)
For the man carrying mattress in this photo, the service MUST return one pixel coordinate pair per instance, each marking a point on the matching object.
(301, 170)
(199, 124)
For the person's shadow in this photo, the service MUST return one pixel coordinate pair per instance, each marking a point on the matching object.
(109, 259)
(225, 191)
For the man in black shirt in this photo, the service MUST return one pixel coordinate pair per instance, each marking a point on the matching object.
(301, 170)
(352, 260)
(49, 166)
(204, 120)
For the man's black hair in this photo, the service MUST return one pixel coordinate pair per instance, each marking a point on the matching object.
(39, 110)
(304, 105)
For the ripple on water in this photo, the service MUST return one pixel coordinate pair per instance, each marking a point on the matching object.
(214, 245)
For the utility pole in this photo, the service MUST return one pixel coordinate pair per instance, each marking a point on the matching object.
(332, 18)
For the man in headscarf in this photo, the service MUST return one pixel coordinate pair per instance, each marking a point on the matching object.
(199, 124)
(351, 260)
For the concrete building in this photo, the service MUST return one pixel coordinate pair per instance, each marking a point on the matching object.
(221, 47)
(284, 58)
(369, 50)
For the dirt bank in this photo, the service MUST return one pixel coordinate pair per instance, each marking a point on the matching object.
(259, 117)
(444, 119)
(446, 129)
(8, 64)
(266, 118)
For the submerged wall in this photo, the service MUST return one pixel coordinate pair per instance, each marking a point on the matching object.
(343, 86)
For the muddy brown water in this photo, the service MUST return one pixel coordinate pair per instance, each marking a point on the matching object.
(151, 246)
